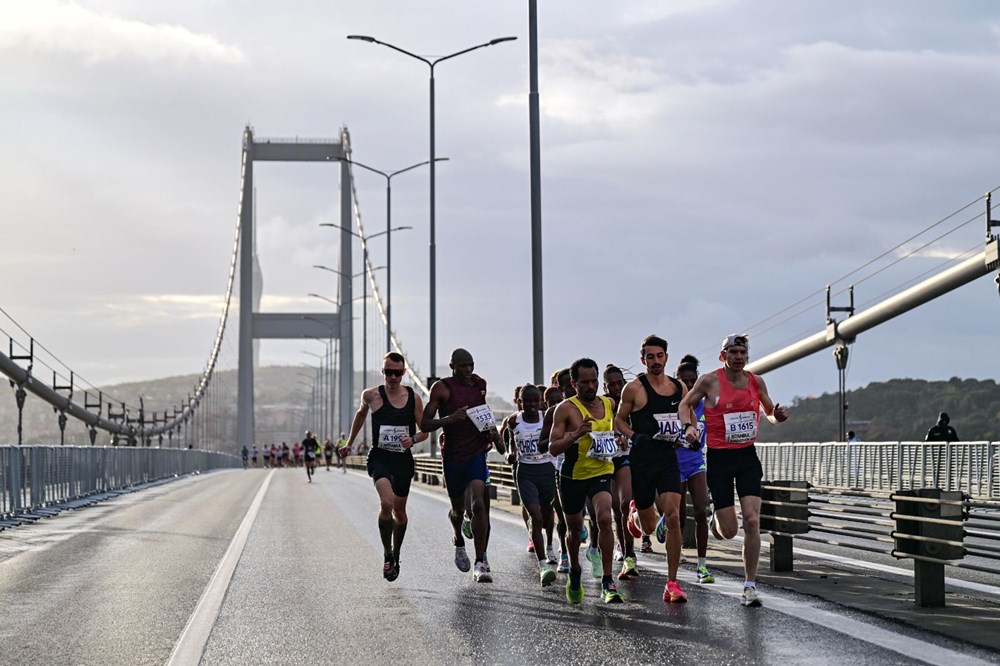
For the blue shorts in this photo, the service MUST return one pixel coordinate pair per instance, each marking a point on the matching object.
(459, 473)
(690, 462)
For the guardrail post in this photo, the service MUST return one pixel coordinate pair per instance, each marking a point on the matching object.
(929, 529)
(784, 512)
(515, 497)
(689, 528)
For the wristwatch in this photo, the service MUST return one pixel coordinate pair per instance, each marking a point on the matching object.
(685, 426)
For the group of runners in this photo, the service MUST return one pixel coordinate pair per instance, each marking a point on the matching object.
(305, 453)
(624, 453)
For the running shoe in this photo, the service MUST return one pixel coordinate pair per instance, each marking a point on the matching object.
(673, 592)
(550, 556)
(546, 573)
(628, 569)
(619, 555)
(462, 559)
(584, 534)
(647, 544)
(482, 574)
(750, 597)
(597, 566)
(661, 529)
(609, 594)
(683, 559)
(705, 576)
(486, 561)
(531, 546)
(387, 567)
(715, 529)
(632, 523)
(563, 564)
(467, 528)
(574, 594)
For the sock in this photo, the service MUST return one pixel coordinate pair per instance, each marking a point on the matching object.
(574, 577)
(385, 531)
(606, 580)
(701, 562)
(398, 532)
(750, 583)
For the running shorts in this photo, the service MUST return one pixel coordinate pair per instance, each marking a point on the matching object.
(459, 473)
(397, 467)
(536, 483)
(690, 462)
(654, 471)
(726, 466)
(574, 492)
(620, 462)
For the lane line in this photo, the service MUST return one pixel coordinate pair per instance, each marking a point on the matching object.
(191, 645)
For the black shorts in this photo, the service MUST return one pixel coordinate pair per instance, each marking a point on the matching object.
(574, 492)
(536, 483)
(397, 467)
(620, 463)
(726, 466)
(654, 471)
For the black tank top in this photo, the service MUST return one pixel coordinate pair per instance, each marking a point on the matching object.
(644, 420)
(387, 415)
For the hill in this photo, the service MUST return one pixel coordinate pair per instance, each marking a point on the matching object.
(899, 409)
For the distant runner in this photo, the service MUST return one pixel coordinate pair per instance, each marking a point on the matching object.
(310, 447)
(328, 450)
(733, 400)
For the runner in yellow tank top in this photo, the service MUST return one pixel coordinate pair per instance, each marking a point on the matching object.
(582, 429)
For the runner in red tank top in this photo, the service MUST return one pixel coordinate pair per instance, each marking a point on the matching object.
(733, 400)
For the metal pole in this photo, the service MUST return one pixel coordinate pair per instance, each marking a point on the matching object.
(536, 197)
(433, 249)
(364, 335)
(388, 264)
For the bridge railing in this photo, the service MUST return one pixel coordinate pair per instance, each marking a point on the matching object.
(35, 477)
(970, 467)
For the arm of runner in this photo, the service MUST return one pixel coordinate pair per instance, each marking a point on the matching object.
(543, 437)
(508, 427)
(559, 439)
(359, 417)
(418, 414)
(685, 411)
(775, 413)
(439, 396)
(625, 407)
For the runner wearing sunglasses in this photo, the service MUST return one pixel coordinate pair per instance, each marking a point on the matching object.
(395, 410)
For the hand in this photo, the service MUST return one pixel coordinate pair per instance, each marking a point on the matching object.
(780, 413)
(622, 441)
(406, 441)
(458, 415)
(584, 427)
(510, 458)
(640, 438)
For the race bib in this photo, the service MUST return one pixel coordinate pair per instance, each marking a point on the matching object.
(482, 416)
(741, 427)
(602, 445)
(669, 427)
(390, 437)
(527, 446)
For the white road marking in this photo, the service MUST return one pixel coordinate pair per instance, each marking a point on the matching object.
(191, 644)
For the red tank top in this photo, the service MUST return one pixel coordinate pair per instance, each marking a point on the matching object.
(732, 422)
(463, 439)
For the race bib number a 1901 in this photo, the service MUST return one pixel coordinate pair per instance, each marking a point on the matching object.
(482, 416)
(741, 427)
(602, 445)
(390, 437)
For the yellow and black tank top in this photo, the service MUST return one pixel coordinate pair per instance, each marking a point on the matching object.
(590, 455)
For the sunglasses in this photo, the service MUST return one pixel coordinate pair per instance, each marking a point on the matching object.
(393, 373)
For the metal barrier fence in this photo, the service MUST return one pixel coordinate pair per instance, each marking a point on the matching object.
(970, 467)
(32, 477)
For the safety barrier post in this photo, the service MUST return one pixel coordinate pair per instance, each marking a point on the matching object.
(930, 531)
(784, 512)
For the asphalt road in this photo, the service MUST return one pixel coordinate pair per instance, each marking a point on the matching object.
(134, 579)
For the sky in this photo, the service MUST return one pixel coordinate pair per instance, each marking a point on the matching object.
(705, 165)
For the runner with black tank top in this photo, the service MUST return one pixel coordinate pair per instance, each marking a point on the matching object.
(535, 475)
(310, 449)
(734, 399)
(395, 410)
(648, 416)
(459, 403)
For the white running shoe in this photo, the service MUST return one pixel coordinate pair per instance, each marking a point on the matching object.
(481, 574)
(550, 556)
(462, 559)
(750, 597)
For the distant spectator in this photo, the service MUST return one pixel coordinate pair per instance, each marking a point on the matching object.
(942, 432)
(851, 437)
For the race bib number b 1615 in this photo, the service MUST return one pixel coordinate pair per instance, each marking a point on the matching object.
(741, 427)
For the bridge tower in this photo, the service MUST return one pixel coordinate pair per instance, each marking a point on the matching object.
(255, 325)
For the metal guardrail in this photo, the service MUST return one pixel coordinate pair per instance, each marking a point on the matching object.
(969, 467)
(35, 477)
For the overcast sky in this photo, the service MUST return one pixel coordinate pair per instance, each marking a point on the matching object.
(705, 165)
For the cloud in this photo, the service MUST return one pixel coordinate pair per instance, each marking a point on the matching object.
(43, 26)
(639, 12)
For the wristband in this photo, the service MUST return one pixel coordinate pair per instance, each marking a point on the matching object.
(685, 426)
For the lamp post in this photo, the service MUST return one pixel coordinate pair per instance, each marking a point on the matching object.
(388, 235)
(433, 250)
(321, 417)
(388, 243)
(328, 422)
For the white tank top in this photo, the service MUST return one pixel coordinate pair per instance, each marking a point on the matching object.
(526, 440)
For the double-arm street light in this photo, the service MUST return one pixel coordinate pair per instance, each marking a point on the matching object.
(388, 243)
(431, 64)
(388, 175)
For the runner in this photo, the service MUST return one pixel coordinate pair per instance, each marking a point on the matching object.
(692, 466)
(343, 450)
(310, 449)
(621, 484)
(245, 454)
(328, 453)
(733, 400)
(648, 417)
(395, 410)
(582, 428)
(253, 456)
(535, 475)
(459, 402)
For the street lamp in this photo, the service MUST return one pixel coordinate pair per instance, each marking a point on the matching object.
(322, 415)
(388, 234)
(328, 422)
(433, 250)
